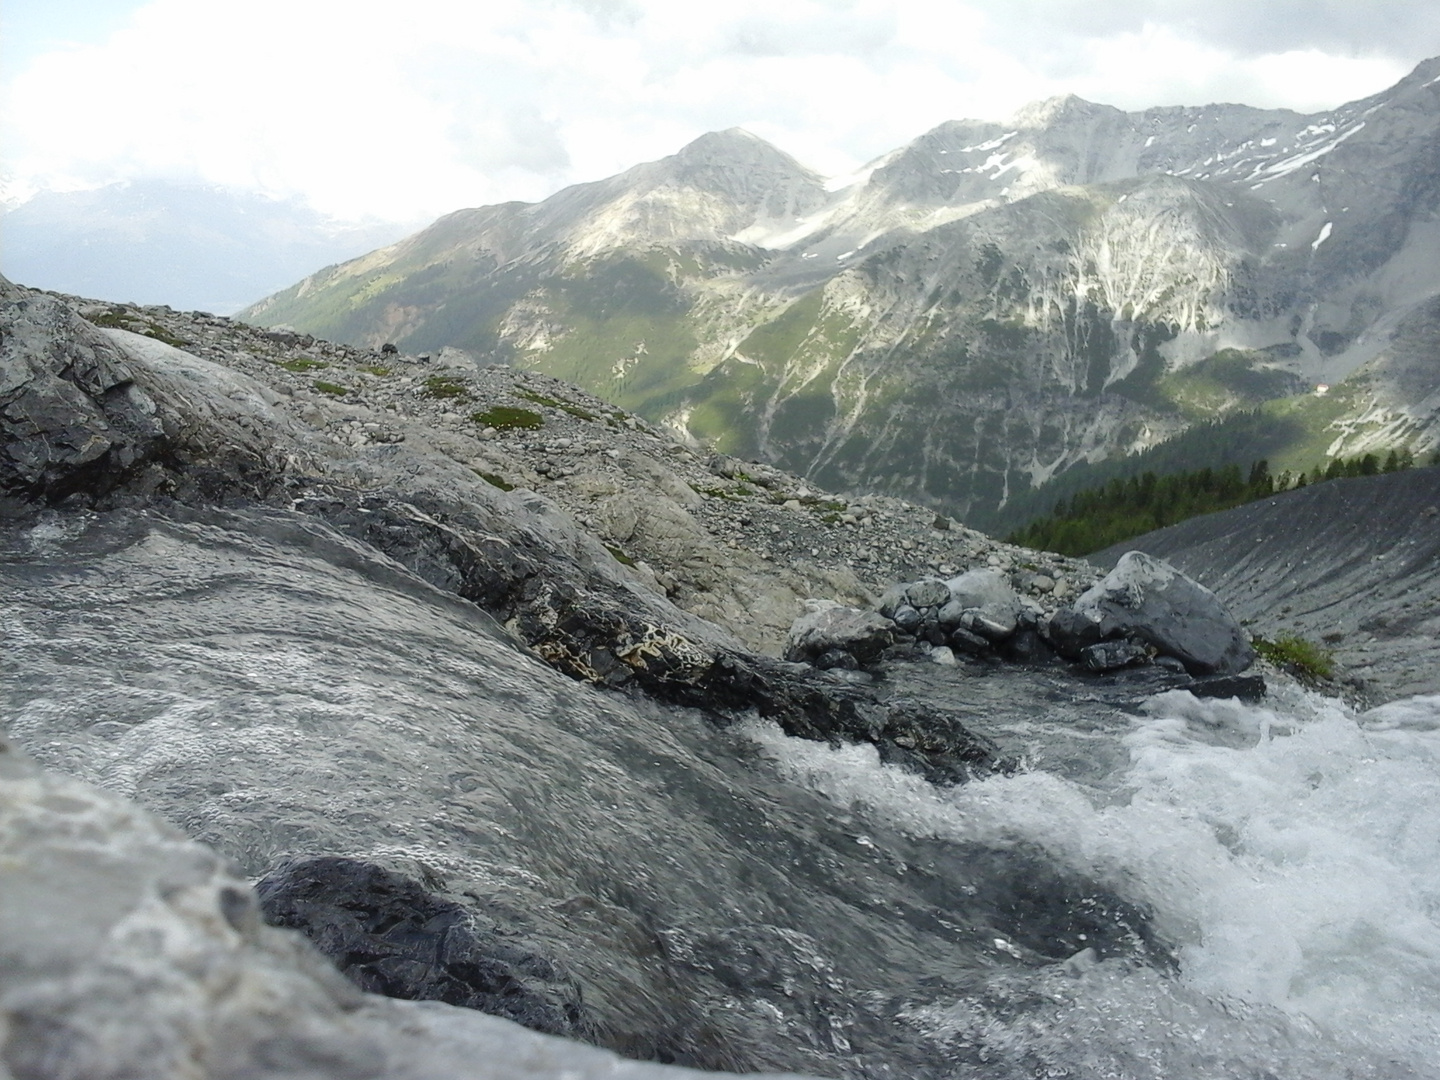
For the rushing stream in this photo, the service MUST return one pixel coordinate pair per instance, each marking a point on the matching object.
(1177, 889)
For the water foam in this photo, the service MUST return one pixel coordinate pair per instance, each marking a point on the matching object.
(1290, 856)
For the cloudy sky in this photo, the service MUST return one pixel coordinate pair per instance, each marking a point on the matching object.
(410, 109)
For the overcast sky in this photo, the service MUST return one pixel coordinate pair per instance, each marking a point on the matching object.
(410, 108)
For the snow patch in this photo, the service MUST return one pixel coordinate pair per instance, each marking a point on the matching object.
(1324, 235)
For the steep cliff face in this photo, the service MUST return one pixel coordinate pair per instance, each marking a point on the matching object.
(973, 313)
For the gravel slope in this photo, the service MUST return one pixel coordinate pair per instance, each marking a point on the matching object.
(1354, 564)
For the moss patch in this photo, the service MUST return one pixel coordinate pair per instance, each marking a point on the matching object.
(333, 389)
(619, 556)
(556, 403)
(495, 481)
(1302, 658)
(508, 418)
(442, 386)
(301, 365)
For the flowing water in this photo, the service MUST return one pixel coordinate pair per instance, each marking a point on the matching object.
(1182, 889)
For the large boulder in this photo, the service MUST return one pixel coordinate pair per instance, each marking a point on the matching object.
(983, 602)
(71, 415)
(1148, 600)
(830, 627)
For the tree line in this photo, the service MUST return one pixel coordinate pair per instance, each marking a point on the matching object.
(1101, 516)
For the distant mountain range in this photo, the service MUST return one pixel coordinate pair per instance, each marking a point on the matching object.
(975, 313)
(191, 246)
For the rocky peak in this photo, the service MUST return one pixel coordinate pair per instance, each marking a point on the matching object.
(1063, 108)
(737, 165)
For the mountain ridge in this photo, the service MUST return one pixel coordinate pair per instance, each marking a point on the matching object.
(1073, 270)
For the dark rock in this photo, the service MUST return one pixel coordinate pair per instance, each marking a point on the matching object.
(1245, 687)
(907, 618)
(836, 659)
(935, 743)
(927, 594)
(1027, 647)
(1070, 633)
(862, 634)
(389, 349)
(389, 936)
(962, 640)
(1151, 601)
(1112, 655)
(71, 417)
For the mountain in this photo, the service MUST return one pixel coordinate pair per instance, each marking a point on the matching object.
(975, 313)
(190, 246)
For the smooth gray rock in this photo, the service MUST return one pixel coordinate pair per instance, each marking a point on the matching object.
(128, 950)
(862, 634)
(1150, 601)
(983, 602)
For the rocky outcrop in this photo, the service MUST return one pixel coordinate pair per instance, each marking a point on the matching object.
(1142, 611)
(1149, 602)
(71, 415)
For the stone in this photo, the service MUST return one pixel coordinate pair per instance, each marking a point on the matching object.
(964, 641)
(389, 936)
(1249, 688)
(950, 614)
(1113, 655)
(837, 660)
(943, 655)
(862, 634)
(988, 624)
(1150, 601)
(987, 603)
(908, 618)
(927, 594)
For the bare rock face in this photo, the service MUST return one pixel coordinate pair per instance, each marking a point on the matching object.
(1149, 601)
(71, 414)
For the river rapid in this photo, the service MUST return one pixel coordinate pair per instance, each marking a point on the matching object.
(1164, 888)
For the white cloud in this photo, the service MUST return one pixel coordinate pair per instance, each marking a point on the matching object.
(366, 107)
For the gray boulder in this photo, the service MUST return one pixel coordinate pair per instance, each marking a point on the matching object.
(983, 602)
(825, 629)
(1150, 601)
(927, 594)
